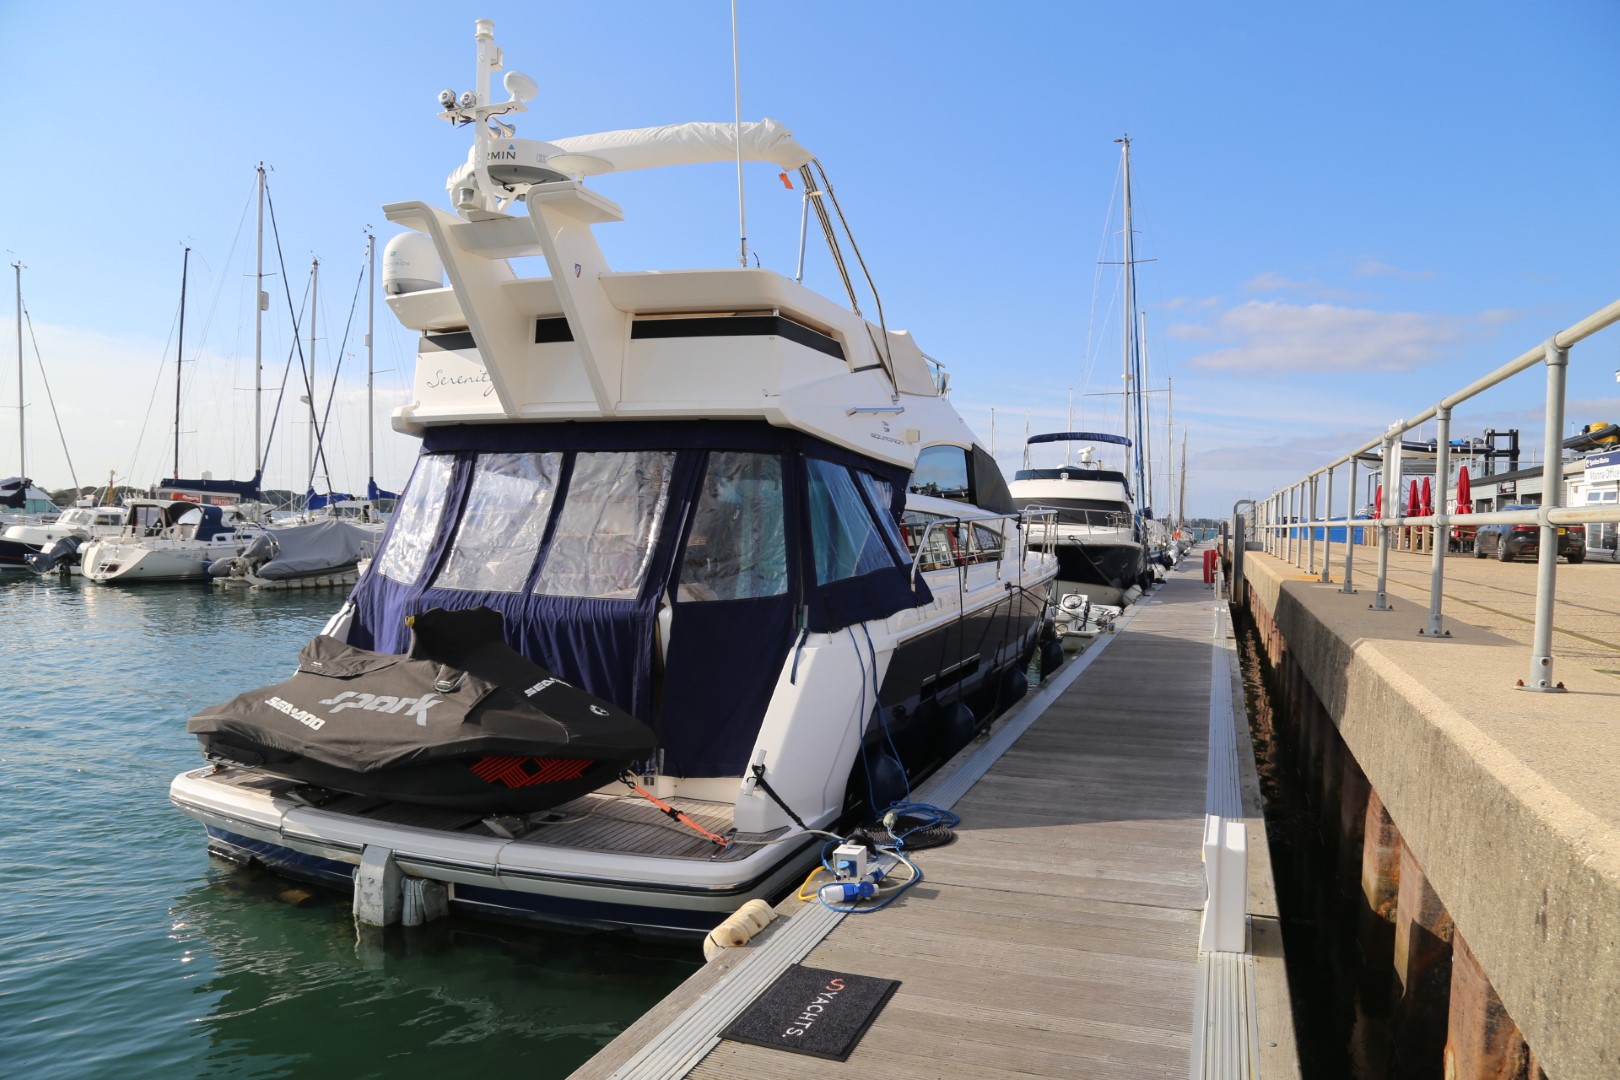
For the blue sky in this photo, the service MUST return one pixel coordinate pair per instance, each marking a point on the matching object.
(1351, 210)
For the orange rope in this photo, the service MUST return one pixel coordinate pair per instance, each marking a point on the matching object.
(675, 814)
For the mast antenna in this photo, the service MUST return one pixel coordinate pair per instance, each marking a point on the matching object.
(736, 96)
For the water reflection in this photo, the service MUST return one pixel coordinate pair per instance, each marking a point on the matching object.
(289, 986)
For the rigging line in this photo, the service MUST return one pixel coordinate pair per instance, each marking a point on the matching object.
(298, 343)
(1093, 332)
(29, 318)
(331, 393)
(219, 288)
(163, 363)
(281, 392)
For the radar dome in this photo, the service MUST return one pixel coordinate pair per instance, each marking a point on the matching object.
(411, 264)
(522, 161)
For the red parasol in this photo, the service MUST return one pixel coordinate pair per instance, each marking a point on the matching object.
(1465, 497)
(1413, 505)
(1378, 502)
(1428, 498)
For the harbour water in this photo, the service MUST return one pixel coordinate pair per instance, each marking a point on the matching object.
(125, 950)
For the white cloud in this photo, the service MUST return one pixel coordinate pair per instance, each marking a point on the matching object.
(1272, 337)
(1377, 268)
(1268, 282)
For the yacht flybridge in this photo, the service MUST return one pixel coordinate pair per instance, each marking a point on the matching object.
(741, 522)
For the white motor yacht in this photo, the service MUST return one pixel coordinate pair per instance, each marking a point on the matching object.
(44, 547)
(712, 500)
(1098, 538)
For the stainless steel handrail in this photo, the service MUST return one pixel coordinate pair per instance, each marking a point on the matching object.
(1026, 520)
(1282, 515)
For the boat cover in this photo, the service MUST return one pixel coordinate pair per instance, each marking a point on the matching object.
(690, 144)
(460, 720)
(725, 655)
(313, 549)
(14, 491)
(242, 489)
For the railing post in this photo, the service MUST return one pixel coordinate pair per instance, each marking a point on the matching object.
(1552, 496)
(1310, 530)
(1296, 542)
(1327, 532)
(1350, 530)
(1440, 531)
(1380, 601)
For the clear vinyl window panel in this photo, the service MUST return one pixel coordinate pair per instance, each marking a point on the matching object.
(847, 542)
(416, 520)
(881, 492)
(499, 533)
(608, 524)
(737, 548)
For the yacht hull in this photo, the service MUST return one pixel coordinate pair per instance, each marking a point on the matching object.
(1104, 572)
(132, 563)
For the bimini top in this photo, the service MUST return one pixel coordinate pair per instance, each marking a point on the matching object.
(1079, 436)
(690, 144)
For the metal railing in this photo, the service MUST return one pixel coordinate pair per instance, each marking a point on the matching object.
(961, 554)
(1290, 517)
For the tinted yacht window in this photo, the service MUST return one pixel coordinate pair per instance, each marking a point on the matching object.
(499, 532)
(608, 524)
(738, 545)
(416, 520)
(847, 540)
(942, 471)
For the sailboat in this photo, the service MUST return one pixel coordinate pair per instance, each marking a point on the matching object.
(188, 524)
(330, 542)
(714, 502)
(1103, 535)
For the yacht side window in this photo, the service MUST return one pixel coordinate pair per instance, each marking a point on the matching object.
(738, 545)
(846, 539)
(418, 520)
(939, 546)
(499, 532)
(942, 472)
(986, 544)
(608, 525)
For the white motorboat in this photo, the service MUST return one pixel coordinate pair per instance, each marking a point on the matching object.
(165, 540)
(1098, 536)
(45, 547)
(712, 499)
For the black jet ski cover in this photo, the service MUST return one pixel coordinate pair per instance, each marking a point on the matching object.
(462, 720)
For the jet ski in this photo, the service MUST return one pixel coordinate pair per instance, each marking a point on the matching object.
(461, 721)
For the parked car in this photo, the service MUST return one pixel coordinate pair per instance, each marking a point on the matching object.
(1509, 542)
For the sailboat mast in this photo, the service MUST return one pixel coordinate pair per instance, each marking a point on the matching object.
(179, 358)
(314, 289)
(22, 443)
(371, 326)
(1134, 426)
(261, 301)
(1181, 504)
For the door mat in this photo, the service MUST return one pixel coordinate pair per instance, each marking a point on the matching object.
(812, 1011)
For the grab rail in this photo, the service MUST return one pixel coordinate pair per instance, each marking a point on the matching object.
(1281, 516)
(1025, 519)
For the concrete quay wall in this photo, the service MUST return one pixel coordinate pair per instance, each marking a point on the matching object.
(1474, 816)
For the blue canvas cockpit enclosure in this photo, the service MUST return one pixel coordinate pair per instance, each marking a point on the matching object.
(666, 567)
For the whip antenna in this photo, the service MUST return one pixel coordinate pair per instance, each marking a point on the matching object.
(736, 95)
